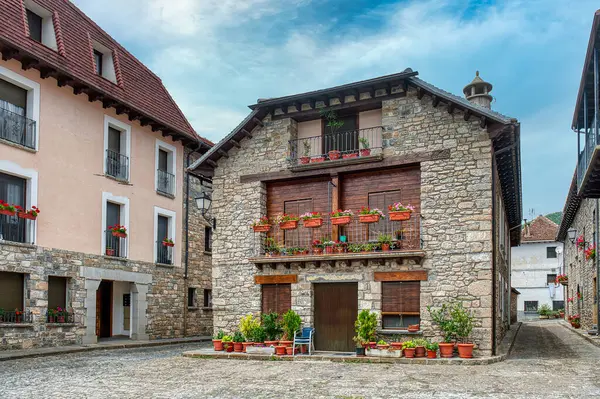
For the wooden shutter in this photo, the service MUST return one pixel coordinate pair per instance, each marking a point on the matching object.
(402, 297)
(276, 298)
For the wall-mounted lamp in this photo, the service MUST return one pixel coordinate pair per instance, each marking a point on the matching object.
(204, 202)
(572, 233)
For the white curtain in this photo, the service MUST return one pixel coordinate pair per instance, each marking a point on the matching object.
(12, 126)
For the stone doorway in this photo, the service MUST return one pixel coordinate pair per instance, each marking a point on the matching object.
(104, 309)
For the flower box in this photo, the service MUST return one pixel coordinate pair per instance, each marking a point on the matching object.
(373, 218)
(119, 234)
(317, 159)
(7, 212)
(168, 244)
(304, 160)
(25, 215)
(289, 225)
(350, 155)
(313, 223)
(334, 154)
(261, 228)
(110, 252)
(341, 220)
(400, 216)
(365, 152)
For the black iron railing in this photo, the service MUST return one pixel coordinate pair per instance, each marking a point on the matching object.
(117, 165)
(60, 317)
(115, 246)
(15, 316)
(165, 182)
(164, 254)
(15, 229)
(17, 128)
(585, 157)
(335, 146)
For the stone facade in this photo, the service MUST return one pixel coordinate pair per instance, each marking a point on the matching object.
(456, 205)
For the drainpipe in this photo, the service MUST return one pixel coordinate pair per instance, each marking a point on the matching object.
(494, 254)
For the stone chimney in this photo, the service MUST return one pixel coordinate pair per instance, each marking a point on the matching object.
(478, 91)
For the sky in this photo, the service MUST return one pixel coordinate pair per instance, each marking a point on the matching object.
(216, 57)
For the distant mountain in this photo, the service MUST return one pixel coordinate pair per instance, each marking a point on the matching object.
(556, 217)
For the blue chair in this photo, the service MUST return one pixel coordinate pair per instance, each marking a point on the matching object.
(304, 337)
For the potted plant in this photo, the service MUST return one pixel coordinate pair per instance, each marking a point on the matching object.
(351, 154)
(562, 279)
(381, 344)
(413, 327)
(462, 319)
(317, 247)
(110, 251)
(385, 240)
(118, 231)
(271, 247)
(340, 247)
(544, 311)
(31, 214)
(261, 225)
(312, 219)
(6, 209)
(396, 345)
(561, 313)
(399, 212)
(329, 246)
(291, 323)
(306, 153)
(258, 335)
(361, 347)
(318, 158)
(420, 345)
(590, 252)
(575, 321)
(51, 315)
(227, 341)
(368, 215)
(272, 328)
(18, 314)
(409, 348)
(334, 125)
(218, 341)
(167, 242)
(365, 151)
(580, 243)
(443, 319)
(365, 327)
(432, 348)
(287, 222)
(340, 217)
(355, 248)
(60, 314)
(238, 340)
(247, 326)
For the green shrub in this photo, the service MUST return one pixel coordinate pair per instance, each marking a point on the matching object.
(247, 324)
(291, 323)
(238, 337)
(270, 322)
(409, 345)
(219, 335)
(545, 310)
(365, 326)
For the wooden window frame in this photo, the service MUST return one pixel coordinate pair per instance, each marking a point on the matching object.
(280, 306)
(391, 285)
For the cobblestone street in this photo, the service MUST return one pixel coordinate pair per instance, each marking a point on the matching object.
(547, 361)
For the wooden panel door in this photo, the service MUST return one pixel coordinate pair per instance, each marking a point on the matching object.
(336, 308)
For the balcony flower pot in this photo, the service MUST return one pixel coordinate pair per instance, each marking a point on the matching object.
(50, 319)
(396, 345)
(119, 234)
(446, 349)
(245, 345)
(360, 351)
(289, 350)
(431, 354)
(313, 223)
(328, 250)
(217, 344)
(317, 251)
(368, 218)
(365, 152)
(350, 155)
(261, 228)
(420, 351)
(7, 212)
(372, 345)
(168, 244)
(400, 216)
(413, 327)
(110, 252)
(289, 225)
(238, 346)
(317, 159)
(465, 351)
(25, 215)
(228, 346)
(409, 352)
(304, 160)
(280, 350)
(60, 319)
(385, 247)
(575, 324)
(341, 220)
(334, 154)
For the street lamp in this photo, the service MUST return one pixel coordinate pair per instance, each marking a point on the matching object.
(572, 233)
(204, 202)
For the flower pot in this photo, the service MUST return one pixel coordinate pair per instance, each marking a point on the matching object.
(365, 152)
(289, 350)
(385, 247)
(228, 346)
(340, 250)
(262, 228)
(373, 345)
(409, 352)
(245, 345)
(341, 220)
(431, 354)
(351, 155)
(271, 343)
(446, 349)
(317, 159)
(368, 218)
(386, 346)
(575, 324)
(7, 212)
(413, 327)
(312, 223)
(286, 343)
(317, 251)
(465, 351)
(289, 225)
(24, 215)
(562, 315)
(50, 319)
(304, 160)
(61, 319)
(360, 351)
(217, 344)
(328, 250)
(238, 346)
(334, 154)
(119, 234)
(400, 216)
(303, 348)
(396, 345)
(280, 350)
(110, 252)
(420, 351)
(168, 244)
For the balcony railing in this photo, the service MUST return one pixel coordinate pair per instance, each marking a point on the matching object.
(17, 128)
(117, 165)
(115, 246)
(355, 237)
(15, 316)
(16, 229)
(164, 254)
(585, 157)
(165, 183)
(339, 145)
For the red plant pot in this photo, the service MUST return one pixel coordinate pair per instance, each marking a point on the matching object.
(280, 350)
(168, 244)
(409, 352)
(396, 345)
(262, 228)
(24, 215)
(119, 234)
(217, 344)
(289, 350)
(368, 218)
(575, 324)
(286, 343)
(317, 251)
(328, 250)
(365, 152)
(420, 351)
(431, 354)
(465, 351)
(61, 319)
(245, 345)
(304, 160)
(304, 348)
(313, 223)
(50, 319)
(341, 220)
(385, 247)
(413, 327)
(386, 346)
(400, 216)
(271, 343)
(289, 225)
(317, 159)
(351, 155)
(446, 349)
(228, 346)
(238, 346)
(334, 154)
(373, 345)
(110, 252)
(7, 212)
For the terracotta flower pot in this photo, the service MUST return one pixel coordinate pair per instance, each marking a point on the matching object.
(238, 346)
(119, 234)
(368, 218)
(341, 220)
(400, 216)
(431, 354)
(365, 152)
(61, 319)
(317, 159)
(304, 160)
(317, 251)
(562, 315)
(373, 345)
(340, 249)
(351, 155)
(334, 154)
(465, 351)
(289, 225)
(110, 252)
(385, 247)
(245, 345)
(289, 350)
(228, 346)
(396, 345)
(420, 351)
(24, 215)
(413, 327)
(575, 324)
(262, 228)
(446, 349)
(271, 343)
(328, 250)
(286, 343)
(168, 244)
(280, 350)
(7, 212)
(50, 319)
(409, 352)
(312, 223)
(217, 344)
(386, 346)
(304, 348)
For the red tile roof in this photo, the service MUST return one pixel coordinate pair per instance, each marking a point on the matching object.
(539, 229)
(137, 88)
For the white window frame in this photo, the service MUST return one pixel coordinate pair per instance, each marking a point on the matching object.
(124, 202)
(48, 33)
(31, 192)
(125, 130)
(171, 160)
(172, 216)
(33, 97)
(108, 64)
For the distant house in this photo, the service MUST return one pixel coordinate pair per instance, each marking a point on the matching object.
(535, 266)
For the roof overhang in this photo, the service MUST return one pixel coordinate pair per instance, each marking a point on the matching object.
(570, 210)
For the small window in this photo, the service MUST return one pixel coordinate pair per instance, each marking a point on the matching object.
(207, 239)
(166, 161)
(558, 305)
(35, 26)
(207, 298)
(531, 306)
(551, 252)
(276, 298)
(12, 298)
(400, 304)
(57, 292)
(550, 278)
(164, 253)
(98, 61)
(117, 146)
(13, 191)
(191, 297)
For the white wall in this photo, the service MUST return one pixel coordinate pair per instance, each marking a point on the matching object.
(119, 288)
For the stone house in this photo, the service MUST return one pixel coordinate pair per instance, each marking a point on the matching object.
(91, 136)
(389, 139)
(579, 226)
(535, 266)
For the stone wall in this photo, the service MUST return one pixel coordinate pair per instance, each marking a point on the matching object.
(456, 207)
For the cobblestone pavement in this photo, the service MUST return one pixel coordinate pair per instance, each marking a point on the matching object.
(547, 361)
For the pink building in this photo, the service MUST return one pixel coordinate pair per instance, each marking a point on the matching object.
(92, 138)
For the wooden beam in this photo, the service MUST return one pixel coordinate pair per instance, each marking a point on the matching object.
(371, 92)
(120, 109)
(467, 115)
(46, 72)
(28, 63)
(156, 127)
(134, 116)
(235, 143)
(298, 106)
(93, 96)
(482, 122)
(326, 101)
(211, 163)
(312, 103)
(62, 81)
(223, 153)
(107, 103)
(435, 100)
(78, 89)
(246, 133)
(8, 54)
(258, 121)
(284, 108)
(415, 275)
(420, 93)
(341, 98)
(451, 108)
(144, 121)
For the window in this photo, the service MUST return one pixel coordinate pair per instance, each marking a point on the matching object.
(345, 138)
(35, 26)
(41, 26)
(531, 306)
(19, 109)
(98, 62)
(558, 305)
(551, 252)
(381, 200)
(400, 304)
(13, 191)
(550, 279)
(166, 158)
(115, 211)
(207, 239)
(164, 227)
(103, 61)
(12, 289)
(276, 298)
(207, 298)
(117, 148)
(191, 297)
(57, 292)
(295, 238)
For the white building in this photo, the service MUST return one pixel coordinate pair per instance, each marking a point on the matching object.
(535, 265)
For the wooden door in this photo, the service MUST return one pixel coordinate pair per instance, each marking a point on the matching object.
(104, 304)
(336, 308)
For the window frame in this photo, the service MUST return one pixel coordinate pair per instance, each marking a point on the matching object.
(98, 56)
(192, 299)
(277, 286)
(31, 191)
(23, 288)
(125, 130)
(537, 306)
(549, 251)
(550, 280)
(171, 151)
(33, 17)
(386, 314)
(108, 63)
(172, 229)
(208, 239)
(207, 298)
(48, 33)
(66, 298)
(124, 216)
